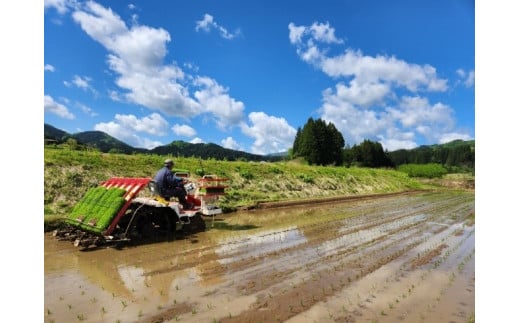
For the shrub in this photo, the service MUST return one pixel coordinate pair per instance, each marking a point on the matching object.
(423, 170)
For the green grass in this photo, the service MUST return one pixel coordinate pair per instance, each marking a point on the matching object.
(68, 175)
(424, 170)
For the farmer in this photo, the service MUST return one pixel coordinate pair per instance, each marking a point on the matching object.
(169, 185)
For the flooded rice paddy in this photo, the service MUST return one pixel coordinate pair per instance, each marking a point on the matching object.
(405, 258)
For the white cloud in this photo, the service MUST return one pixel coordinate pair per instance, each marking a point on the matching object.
(82, 83)
(415, 111)
(127, 127)
(396, 144)
(364, 68)
(271, 134)
(136, 55)
(207, 23)
(152, 124)
(184, 130)
(60, 5)
(87, 110)
(48, 67)
(354, 123)
(394, 125)
(447, 137)
(376, 96)
(364, 94)
(230, 143)
(468, 79)
(296, 33)
(197, 140)
(49, 105)
(124, 129)
(321, 32)
(214, 98)
(324, 33)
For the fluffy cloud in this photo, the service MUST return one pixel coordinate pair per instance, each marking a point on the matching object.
(207, 23)
(197, 140)
(230, 143)
(382, 69)
(271, 134)
(376, 97)
(184, 130)
(49, 105)
(214, 99)
(467, 78)
(127, 127)
(136, 54)
(318, 32)
(60, 5)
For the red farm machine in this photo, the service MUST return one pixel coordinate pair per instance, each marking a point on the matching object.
(123, 210)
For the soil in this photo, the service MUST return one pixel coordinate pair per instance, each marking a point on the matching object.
(398, 258)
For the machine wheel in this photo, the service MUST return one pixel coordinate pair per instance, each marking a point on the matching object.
(196, 224)
(149, 222)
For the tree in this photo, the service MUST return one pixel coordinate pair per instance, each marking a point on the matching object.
(369, 154)
(319, 143)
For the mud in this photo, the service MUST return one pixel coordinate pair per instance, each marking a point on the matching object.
(402, 258)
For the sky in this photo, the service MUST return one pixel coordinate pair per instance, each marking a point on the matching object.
(247, 74)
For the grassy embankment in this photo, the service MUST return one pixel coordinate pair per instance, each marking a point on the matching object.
(68, 174)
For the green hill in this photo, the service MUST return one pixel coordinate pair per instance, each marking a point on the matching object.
(104, 142)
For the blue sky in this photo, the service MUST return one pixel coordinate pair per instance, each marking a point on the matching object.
(247, 74)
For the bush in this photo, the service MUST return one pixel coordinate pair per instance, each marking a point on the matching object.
(246, 174)
(423, 170)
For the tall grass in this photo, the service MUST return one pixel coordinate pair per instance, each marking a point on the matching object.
(423, 170)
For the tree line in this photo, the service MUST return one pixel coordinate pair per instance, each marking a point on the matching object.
(320, 143)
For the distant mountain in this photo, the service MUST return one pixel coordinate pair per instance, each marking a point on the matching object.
(106, 143)
(280, 154)
(54, 134)
(454, 153)
(206, 151)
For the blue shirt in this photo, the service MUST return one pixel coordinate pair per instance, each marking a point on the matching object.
(166, 182)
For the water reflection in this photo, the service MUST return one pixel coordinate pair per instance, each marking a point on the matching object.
(259, 244)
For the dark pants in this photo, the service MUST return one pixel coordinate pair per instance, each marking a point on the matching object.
(179, 193)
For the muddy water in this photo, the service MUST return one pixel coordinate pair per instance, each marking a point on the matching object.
(405, 258)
